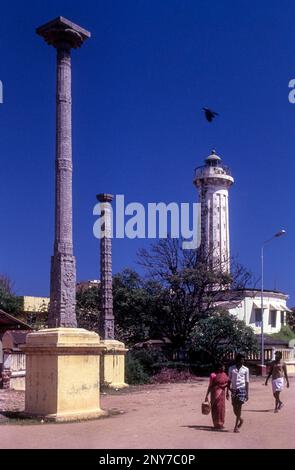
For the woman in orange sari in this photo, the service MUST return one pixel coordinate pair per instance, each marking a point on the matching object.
(218, 387)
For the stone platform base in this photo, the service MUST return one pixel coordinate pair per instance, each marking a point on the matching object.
(112, 364)
(62, 374)
(66, 417)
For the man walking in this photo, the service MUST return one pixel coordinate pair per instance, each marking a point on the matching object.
(238, 384)
(277, 372)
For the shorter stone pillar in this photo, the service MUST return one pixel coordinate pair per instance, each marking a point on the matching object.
(112, 364)
(62, 374)
(113, 356)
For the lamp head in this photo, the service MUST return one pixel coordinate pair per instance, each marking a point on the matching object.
(280, 233)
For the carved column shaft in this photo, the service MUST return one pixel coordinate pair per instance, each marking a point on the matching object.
(63, 35)
(106, 315)
(63, 265)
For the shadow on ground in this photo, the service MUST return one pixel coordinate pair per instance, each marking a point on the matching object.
(19, 417)
(205, 428)
(257, 411)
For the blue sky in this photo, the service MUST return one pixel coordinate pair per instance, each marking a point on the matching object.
(138, 88)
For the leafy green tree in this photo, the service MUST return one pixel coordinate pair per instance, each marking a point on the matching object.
(291, 319)
(286, 333)
(133, 307)
(131, 303)
(9, 302)
(88, 308)
(183, 290)
(216, 337)
(178, 291)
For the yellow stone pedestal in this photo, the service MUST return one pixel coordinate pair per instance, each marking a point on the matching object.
(62, 374)
(112, 364)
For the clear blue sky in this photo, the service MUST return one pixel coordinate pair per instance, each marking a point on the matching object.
(138, 86)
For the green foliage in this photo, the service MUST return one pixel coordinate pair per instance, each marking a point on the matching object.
(215, 337)
(149, 359)
(135, 371)
(132, 308)
(291, 319)
(285, 333)
(178, 292)
(9, 302)
(130, 301)
(88, 308)
(182, 289)
(35, 320)
(141, 364)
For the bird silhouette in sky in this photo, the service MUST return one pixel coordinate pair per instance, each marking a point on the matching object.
(209, 114)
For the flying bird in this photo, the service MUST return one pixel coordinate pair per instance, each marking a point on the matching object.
(209, 114)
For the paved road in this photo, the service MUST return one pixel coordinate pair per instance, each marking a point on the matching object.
(165, 416)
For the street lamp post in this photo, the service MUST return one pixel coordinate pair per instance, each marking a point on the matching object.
(278, 234)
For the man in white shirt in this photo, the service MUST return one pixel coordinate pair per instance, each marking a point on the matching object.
(238, 384)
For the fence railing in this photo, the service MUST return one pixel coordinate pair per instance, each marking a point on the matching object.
(18, 361)
(269, 354)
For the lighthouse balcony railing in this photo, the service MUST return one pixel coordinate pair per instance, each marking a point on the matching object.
(219, 169)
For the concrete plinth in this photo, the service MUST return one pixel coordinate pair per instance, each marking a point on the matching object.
(62, 374)
(112, 364)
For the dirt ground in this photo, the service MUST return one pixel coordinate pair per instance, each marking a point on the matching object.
(159, 417)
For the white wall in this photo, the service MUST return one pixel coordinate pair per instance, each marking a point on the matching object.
(246, 311)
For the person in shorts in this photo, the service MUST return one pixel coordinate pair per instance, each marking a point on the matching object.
(277, 372)
(238, 384)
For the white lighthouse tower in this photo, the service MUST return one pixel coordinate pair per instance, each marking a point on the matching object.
(212, 181)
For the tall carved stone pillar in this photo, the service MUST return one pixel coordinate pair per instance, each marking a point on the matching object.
(63, 36)
(63, 264)
(112, 363)
(63, 362)
(106, 320)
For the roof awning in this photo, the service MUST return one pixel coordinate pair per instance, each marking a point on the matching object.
(279, 307)
(256, 305)
(285, 308)
(275, 306)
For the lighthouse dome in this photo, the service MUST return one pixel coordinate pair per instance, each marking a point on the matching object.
(213, 159)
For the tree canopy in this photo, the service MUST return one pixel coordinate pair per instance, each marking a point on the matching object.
(176, 294)
(9, 302)
(218, 336)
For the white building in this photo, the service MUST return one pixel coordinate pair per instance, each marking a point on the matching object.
(247, 307)
(213, 181)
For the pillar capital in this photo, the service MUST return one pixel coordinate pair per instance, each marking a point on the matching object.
(63, 33)
(103, 197)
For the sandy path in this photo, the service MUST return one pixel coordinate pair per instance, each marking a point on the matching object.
(166, 416)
